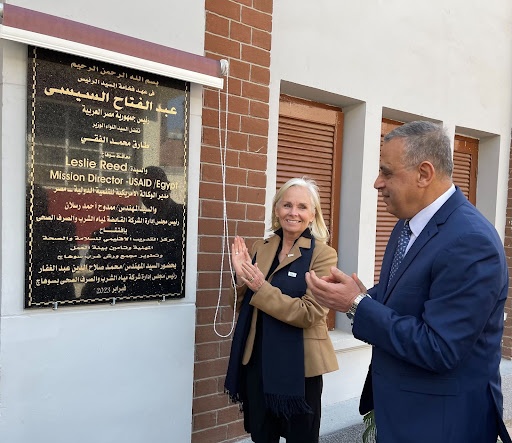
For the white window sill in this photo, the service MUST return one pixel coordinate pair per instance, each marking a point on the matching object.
(344, 341)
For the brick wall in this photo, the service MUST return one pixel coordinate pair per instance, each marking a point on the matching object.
(239, 31)
(507, 335)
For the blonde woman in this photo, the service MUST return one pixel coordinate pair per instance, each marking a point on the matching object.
(281, 346)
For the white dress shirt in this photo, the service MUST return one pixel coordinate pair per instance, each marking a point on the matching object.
(420, 220)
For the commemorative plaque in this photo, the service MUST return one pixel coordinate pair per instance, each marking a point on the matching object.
(106, 182)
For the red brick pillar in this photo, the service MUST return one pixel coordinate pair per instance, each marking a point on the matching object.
(240, 32)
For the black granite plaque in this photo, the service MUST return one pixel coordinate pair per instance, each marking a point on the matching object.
(106, 182)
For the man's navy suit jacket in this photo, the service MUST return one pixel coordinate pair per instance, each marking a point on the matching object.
(436, 332)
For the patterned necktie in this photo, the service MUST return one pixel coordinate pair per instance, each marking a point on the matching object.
(403, 241)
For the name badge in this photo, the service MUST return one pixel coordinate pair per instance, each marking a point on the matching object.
(292, 274)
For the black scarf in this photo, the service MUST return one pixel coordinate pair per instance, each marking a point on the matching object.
(282, 345)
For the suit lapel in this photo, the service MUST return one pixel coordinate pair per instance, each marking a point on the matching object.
(429, 231)
(267, 251)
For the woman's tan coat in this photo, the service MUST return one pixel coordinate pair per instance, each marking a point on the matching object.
(303, 312)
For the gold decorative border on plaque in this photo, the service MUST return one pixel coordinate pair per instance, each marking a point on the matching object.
(69, 173)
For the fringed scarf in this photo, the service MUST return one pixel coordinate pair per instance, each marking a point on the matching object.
(282, 345)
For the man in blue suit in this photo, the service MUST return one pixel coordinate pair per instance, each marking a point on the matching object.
(436, 322)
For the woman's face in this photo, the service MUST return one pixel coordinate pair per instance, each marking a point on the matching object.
(295, 211)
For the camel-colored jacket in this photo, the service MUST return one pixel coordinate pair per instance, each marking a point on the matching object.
(303, 312)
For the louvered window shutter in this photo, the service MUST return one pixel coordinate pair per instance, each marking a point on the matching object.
(309, 144)
(465, 165)
(385, 220)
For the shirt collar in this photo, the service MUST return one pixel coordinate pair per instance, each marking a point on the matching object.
(420, 220)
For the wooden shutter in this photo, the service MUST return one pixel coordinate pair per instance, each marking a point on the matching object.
(465, 165)
(385, 220)
(309, 143)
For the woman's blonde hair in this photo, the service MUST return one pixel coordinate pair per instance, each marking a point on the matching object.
(317, 227)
